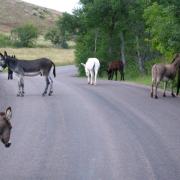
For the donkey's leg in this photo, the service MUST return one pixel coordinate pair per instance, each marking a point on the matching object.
(47, 85)
(172, 93)
(156, 87)
(165, 85)
(22, 85)
(89, 78)
(51, 86)
(152, 89)
(19, 87)
(95, 77)
(92, 76)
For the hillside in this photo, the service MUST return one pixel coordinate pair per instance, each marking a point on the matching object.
(14, 13)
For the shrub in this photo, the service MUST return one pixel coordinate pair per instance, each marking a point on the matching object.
(5, 41)
(25, 36)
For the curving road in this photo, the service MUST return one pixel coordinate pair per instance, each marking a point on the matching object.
(112, 131)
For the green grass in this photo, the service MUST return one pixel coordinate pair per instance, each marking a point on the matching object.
(145, 79)
(58, 56)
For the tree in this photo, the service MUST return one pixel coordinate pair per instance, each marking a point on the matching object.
(54, 36)
(25, 36)
(64, 29)
(163, 27)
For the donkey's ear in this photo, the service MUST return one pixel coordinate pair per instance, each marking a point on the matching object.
(83, 64)
(8, 113)
(1, 55)
(176, 55)
(5, 53)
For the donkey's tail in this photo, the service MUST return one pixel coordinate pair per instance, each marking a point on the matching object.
(154, 73)
(54, 69)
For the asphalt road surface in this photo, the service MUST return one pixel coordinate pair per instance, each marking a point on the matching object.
(112, 131)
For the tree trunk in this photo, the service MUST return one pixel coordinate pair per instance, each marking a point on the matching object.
(95, 41)
(140, 60)
(110, 47)
(122, 48)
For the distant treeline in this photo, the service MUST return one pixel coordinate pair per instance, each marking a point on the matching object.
(136, 31)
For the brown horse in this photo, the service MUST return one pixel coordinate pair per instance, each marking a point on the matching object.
(5, 126)
(114, 67)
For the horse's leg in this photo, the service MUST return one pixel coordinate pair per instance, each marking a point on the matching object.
(116, 74)
(122, 75)
(51, 86)
(165, 85)
(112, 74)
(46, 88)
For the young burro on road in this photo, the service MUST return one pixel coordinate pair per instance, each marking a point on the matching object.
(91, 68)
(5, 126)
(30, 68)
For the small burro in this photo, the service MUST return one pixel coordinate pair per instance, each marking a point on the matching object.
(30, 68)
(91, 68)
(5, 126)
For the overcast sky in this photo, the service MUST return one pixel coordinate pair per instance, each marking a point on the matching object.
(60, 5)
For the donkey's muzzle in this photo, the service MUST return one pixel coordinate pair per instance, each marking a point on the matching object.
(7, 145)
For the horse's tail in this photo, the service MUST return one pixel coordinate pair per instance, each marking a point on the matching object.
(54, 69)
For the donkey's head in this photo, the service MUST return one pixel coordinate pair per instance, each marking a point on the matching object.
(3, 62)
(85, 68)
(5, 126)
(176, 60)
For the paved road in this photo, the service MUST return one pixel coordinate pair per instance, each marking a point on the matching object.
(112, 131)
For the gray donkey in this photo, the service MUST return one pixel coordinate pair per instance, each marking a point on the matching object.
(30, 68)
(164, 72)
(5, 126)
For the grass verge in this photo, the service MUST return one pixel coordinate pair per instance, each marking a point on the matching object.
(58, 56)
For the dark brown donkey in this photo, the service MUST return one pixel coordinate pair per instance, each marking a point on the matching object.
(5, 126)
(114, 67)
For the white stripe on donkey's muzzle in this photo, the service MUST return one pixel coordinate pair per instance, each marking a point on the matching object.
(1, 68)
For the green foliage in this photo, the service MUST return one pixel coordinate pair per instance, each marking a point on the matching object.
(54, 36)
(83, 51)
(62, 31)
(143, 31)
(25, 36)
(164, 29)
(5, 41)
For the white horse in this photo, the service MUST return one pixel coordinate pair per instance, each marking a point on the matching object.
(91, 68)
